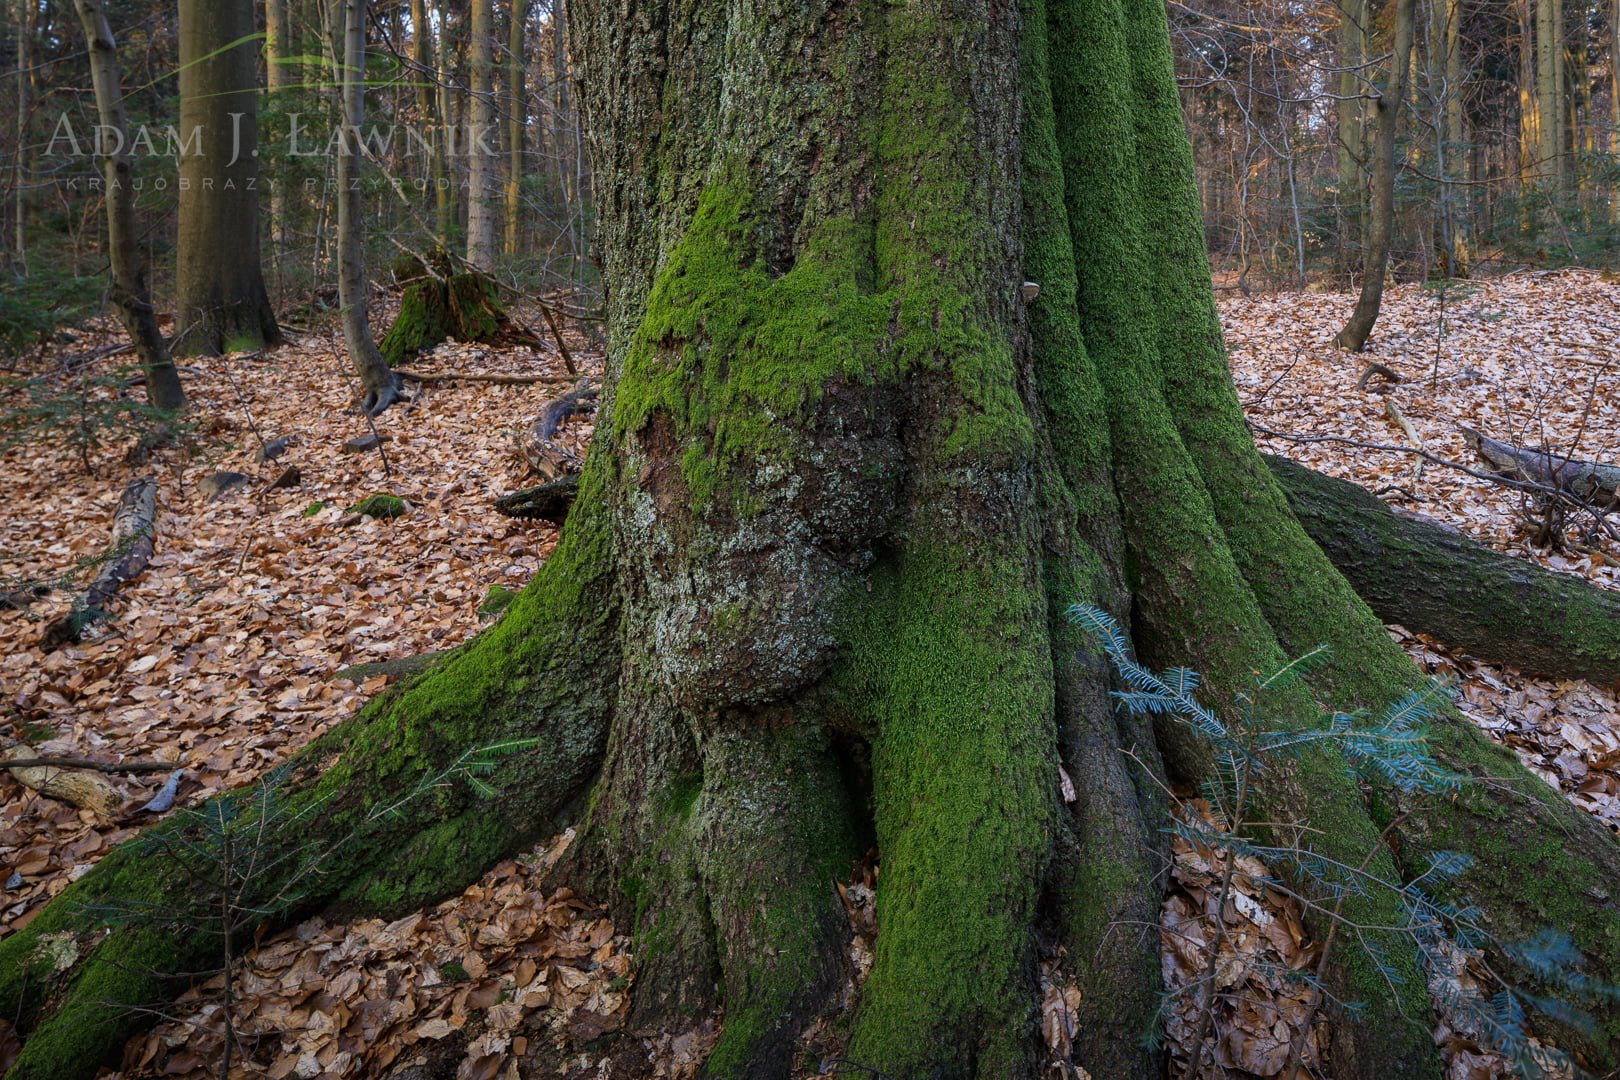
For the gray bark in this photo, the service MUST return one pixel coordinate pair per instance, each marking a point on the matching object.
(130, 291)
(222, 303)
(380, 386)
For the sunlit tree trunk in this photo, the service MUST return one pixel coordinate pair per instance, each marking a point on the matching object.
(222, 303)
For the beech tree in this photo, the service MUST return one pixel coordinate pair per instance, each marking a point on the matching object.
(845, 480)
(222, 302)
(483, 179)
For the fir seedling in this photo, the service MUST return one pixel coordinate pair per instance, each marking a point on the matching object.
(1388, 747)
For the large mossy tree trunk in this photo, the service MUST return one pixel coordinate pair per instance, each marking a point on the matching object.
(844, 482)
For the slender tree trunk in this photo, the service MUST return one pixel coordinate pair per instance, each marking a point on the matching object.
(378, 381)
(21, 171)
(1351, 109)
(844, 482)
(279, 79)
(222, 302)
(483, 196)
(130, 291)
(1382, 224)
(1529, 113)
(428, 77)
(516, 124)
(1614, 99)
(1457, 141)
(1549, 103)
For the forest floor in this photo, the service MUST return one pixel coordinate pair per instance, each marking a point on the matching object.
(220, 658)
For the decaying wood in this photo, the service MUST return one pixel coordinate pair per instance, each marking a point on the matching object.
(1592, 482)
(544, 457)
(127, 555)
(547, 502)
(1383, 371)
(474, 376)
(1393, 411)
(88, 789)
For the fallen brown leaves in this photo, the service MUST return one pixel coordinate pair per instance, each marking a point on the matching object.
(218, 657)
(1262, 997)
(483, 974)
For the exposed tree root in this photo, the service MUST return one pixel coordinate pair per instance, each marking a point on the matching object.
(1436, 581)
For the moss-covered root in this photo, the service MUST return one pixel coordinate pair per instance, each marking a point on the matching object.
(958, 681)
(98, 997)
(1436, 581)
(377, 815)
(774, 831)
(1539, 863)
(1108, 878)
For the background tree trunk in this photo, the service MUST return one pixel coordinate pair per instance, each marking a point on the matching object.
(517, 123)
(1549, 50)
(483, 189)
(130, 291)
(22, 177)
(279, 78)
(427, 76)
(379, 384)
(1381, 223)
(1351, 112)
(222, 303)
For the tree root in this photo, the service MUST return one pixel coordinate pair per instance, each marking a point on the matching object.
(1436, 581)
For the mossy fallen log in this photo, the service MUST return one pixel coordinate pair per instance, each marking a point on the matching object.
(1436, 581)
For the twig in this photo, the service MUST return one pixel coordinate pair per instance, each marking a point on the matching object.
(87, 763)
(473, 376)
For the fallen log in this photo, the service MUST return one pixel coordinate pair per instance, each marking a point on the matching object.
(87, 789)
(126, 556)
(1435, 581)
(1592, 482)
(547, 502)
(544, 457)
(478, 376)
